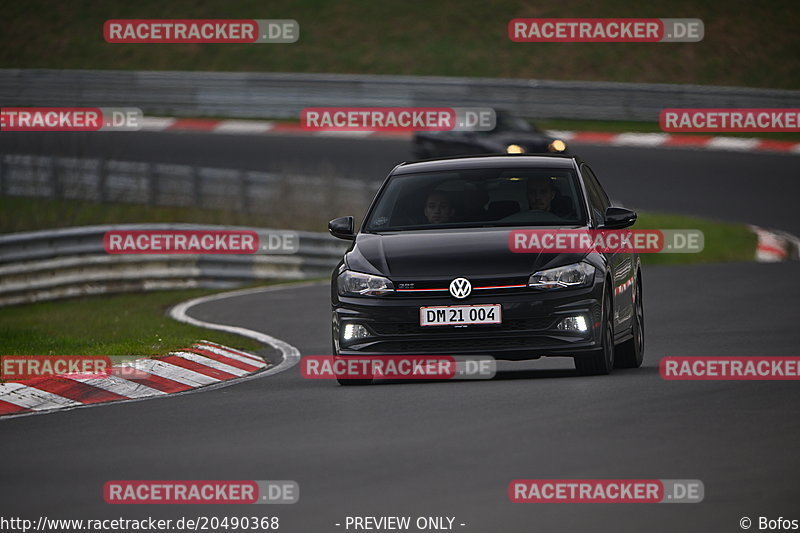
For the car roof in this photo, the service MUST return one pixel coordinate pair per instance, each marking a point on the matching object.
(488, 161)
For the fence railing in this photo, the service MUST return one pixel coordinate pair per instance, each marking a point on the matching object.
(277, 95)
(172, 185)
(52, 264)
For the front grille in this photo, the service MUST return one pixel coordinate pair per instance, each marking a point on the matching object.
(480, 287)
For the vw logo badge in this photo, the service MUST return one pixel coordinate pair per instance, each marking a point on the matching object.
(460, 288)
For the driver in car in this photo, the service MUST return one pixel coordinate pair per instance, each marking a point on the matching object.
(439, 208)
(540, 192)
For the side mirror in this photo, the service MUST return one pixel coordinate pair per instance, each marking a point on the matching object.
(618, 218)
(342, 228)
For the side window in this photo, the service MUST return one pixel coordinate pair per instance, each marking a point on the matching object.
(598, 200)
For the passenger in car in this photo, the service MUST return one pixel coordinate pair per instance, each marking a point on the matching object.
(542, 195)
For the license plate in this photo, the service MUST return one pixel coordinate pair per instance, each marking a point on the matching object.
(456, 315)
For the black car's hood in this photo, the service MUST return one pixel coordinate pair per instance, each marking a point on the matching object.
(447, 253)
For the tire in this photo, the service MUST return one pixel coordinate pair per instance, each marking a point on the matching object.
(601, 361)
(630, 353)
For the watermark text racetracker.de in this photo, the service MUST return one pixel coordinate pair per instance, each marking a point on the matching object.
(606, 241)
(398, 367)
(743, 120)
(70, 119)
(398, 118)
(201, 492)
(197, 31)
(21, 368)
(730, 368)
(26, 367)
(605, 30)
(606, 491)
(158, 241)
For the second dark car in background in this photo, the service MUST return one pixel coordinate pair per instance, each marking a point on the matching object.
(511, 135)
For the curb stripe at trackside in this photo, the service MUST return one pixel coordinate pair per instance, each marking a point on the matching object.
(123, 387)
(243, 126)
(148, 378)
(33, 398)
(773, 246)
(164, 369)
(159, 383)
(687, 140)
(187, 364)
(75, 390)
(247, 367)
(213, 364)
(7, 408)
(230, 352)
(640, 139)
(194, 124)
(589, 137)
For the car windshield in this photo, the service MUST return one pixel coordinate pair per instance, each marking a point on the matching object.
(478, 198)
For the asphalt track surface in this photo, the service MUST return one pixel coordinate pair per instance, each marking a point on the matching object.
(451, 448)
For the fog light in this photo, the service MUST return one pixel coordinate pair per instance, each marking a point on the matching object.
(515, 149)
(574, 323)
(352, 332)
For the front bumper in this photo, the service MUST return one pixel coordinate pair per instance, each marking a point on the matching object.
(528, 328)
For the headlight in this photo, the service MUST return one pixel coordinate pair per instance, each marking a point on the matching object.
(353, 332)
(514, 149)
(357, 284)
(557, 146)
(576, 275)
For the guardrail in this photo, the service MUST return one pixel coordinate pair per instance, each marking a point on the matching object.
(277, 95)
(155, 184)
(52, 264)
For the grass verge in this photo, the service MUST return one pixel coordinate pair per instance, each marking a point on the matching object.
(723, 241)
(745, 44)
(123, 324)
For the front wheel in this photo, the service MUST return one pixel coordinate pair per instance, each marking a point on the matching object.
(601, 361)
(631, 352)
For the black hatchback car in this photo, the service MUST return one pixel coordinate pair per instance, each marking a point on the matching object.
(436, 237)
